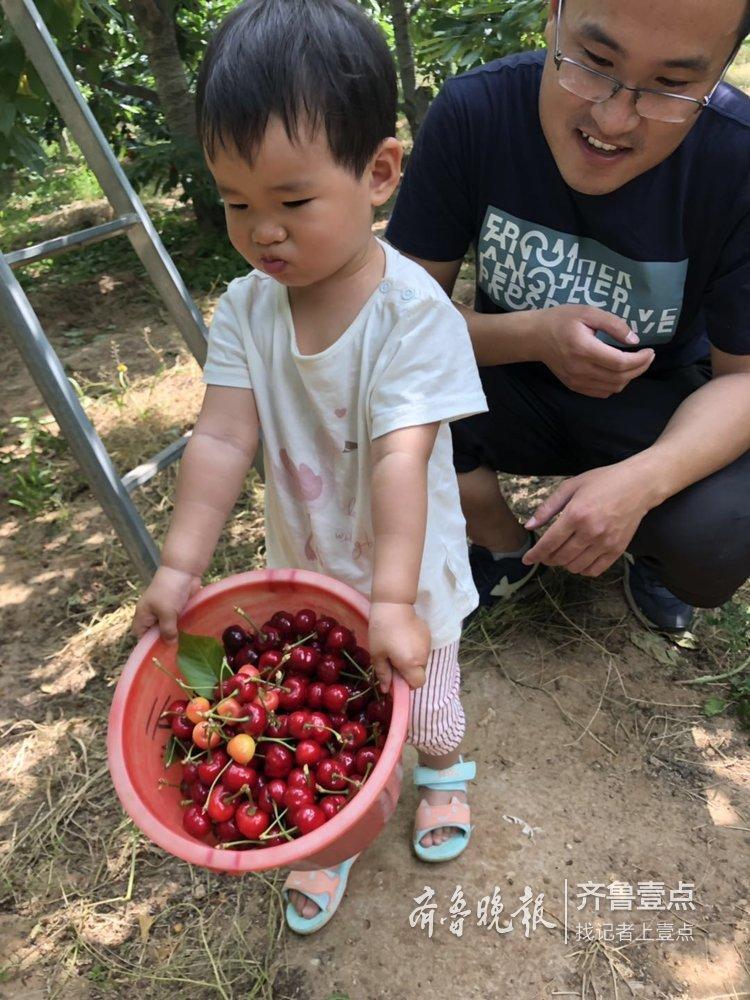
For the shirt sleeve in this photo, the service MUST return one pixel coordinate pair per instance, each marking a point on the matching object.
(726, 302)
(426, 372)
(226, 361)
(433, 216)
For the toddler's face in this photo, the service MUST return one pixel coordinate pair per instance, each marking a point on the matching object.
(293, 212)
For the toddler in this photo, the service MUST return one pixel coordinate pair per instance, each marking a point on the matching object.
(350, 361)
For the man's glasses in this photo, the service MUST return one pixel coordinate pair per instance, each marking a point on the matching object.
(591, 85)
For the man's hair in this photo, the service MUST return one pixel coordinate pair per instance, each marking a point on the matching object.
(311, 63)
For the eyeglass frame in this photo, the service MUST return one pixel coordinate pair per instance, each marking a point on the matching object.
(700, 102)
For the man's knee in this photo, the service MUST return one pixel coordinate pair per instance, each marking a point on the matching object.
(699, 540)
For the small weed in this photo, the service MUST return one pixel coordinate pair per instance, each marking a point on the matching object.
(33, 484)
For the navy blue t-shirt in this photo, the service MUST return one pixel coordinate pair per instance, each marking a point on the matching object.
(669, 251)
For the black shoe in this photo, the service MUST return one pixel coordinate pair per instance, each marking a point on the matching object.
(650, 601)
(498, 579)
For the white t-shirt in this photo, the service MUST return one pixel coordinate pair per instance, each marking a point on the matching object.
(406, 360)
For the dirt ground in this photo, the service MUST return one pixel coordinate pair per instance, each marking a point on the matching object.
(596, 764)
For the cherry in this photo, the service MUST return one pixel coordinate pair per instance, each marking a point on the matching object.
(329, 774)
(274, 791)
(339, 638)
(346, 759)
(294, 695)
(233, 638)
(331, 804)
(314, 694)
(278, 726)
(257, 719)
(309, 818)
(199, 792)
(304, 621)
(176, 707)
(228, 831)
(217, 806)
(275, 841)
(359, 700)
(182, 727)
(337, 720)
(329, 668)
(268, 698)
(190, 771)
(298, 724)
(246, 655)
(197, 708)
(284, 622)
(309, 752)
(206, 736)
(362, 657)
(270, 661)
(317, 727)
(296, 797)
(229, 709)
(241, 748)
(209, 770)
(195, 822)
(249, 670)
(238, 775)
(251, 821)
(335, 697)
(269, 637)
(353, 734)
(304, 659)
(298, 779)
(380, 710)
(241, 686)
(279, 761)
(365, 756)
(323, 626)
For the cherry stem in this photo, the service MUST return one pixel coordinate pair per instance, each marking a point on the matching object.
(160, 666)
(213, 783)
(245, 790)
(248, 619)
(273, 739)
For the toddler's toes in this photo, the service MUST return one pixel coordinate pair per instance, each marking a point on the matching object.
(303, 904)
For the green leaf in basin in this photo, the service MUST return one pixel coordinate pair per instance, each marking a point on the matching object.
(199, 658)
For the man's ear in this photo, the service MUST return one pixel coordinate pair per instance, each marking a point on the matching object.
(385, 171)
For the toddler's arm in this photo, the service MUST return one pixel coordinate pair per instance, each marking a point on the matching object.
(213, 469)
(398, 637)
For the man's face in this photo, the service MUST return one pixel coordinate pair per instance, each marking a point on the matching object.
(677, 46)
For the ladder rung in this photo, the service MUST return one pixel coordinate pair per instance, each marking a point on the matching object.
(142, 473)
(72, 241)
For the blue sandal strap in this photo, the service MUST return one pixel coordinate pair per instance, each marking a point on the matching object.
(452, 778)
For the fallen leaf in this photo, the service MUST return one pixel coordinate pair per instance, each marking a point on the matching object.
(656, 647)
(144, 922)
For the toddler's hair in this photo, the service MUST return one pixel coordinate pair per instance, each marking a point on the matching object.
(317, 63)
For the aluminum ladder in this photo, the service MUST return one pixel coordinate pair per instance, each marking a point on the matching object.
(22, 323)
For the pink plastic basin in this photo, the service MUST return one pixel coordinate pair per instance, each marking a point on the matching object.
(135, 740)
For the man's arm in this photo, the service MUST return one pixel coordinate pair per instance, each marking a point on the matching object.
(563, 338)
(601, 509)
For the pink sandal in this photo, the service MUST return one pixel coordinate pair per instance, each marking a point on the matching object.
(325, 887)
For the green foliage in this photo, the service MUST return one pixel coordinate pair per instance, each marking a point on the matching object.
(450, 39)
(32, 484)
(732, 624)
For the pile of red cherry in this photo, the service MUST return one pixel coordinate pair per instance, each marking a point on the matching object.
(292, 732)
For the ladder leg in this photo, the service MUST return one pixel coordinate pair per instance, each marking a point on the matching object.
(18, 317)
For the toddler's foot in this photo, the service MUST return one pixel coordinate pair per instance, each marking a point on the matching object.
(435, 797)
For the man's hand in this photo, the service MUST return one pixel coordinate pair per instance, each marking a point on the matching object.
(599, 513)
(163, 601)
(568, 346)
(399, 640)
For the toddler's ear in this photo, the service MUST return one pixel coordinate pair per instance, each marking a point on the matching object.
(385, 170)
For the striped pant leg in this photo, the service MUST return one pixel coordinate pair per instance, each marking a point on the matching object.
(436, 717)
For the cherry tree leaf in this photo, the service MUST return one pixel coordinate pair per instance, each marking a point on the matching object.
(200, 658)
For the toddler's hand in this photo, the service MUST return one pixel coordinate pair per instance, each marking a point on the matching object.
(399, 640)
(161, 604)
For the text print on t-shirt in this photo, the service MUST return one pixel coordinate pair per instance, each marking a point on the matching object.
(527, 266)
